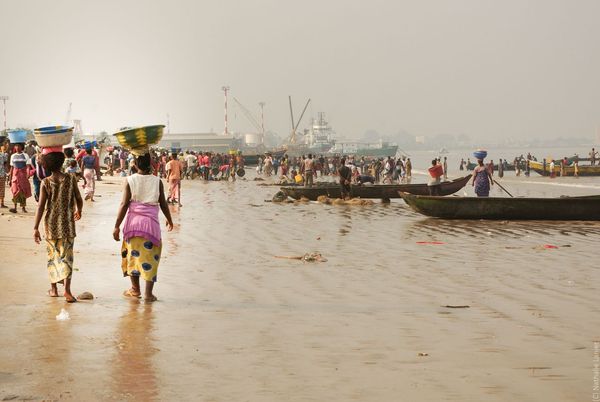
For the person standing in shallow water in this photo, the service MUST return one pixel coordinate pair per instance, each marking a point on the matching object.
(61, 202)
(143, 195)
(482, 180)
(174, 179)
(345, 175)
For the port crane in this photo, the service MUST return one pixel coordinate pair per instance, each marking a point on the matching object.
(292, 137)
(250, 117)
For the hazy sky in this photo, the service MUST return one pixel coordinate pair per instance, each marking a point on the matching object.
(483, 68)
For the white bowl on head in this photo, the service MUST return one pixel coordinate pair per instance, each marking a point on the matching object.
(53, 140)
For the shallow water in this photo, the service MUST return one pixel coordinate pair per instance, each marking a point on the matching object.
(235, 323)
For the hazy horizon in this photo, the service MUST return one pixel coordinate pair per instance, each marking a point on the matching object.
(485, 69)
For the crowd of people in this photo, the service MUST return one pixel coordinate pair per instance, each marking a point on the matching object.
(55, 178)
(304, 169)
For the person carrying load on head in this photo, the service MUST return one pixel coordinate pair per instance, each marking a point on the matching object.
(482, 180)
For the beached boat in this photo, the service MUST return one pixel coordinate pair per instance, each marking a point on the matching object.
(382, 191)
(583, 170)
(519, 208)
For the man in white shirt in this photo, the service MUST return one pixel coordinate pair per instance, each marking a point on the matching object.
(308, 170)
(191, 161)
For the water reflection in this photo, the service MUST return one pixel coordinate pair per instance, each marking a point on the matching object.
(503, 228)
(134, 376)
(54, 350)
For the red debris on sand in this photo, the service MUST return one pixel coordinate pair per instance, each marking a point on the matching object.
(431, 242)
(549, 246)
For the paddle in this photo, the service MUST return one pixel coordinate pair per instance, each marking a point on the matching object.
(499, 185)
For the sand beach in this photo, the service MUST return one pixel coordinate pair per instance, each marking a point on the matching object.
(377, 322)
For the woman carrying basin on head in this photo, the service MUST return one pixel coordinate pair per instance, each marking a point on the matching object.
(143, 195)
(481, 176)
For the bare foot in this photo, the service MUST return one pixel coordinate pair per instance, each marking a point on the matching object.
(13, 210)
(53, 293)
(3, 206)
(24, 210)
(132, 293)
(150, 299)
(70, 298)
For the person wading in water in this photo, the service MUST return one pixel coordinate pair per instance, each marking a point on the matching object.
(345, 179)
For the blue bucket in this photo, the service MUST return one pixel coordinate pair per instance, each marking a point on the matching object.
(480, 154)
(17, 136)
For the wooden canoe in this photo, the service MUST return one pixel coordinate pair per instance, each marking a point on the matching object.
(519, 208)
(382, 191)
(583, 170)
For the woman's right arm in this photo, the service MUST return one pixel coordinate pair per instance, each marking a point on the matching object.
(39, 213)
(122, 210)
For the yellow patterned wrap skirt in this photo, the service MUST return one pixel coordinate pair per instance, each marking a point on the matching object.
(60, 258)
(140, 257)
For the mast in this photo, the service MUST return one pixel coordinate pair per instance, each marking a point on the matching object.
(225, 89)
(4, 99)
(262, 120)
(293, 136)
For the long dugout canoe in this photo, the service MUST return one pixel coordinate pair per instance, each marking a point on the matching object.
(582, 170)
(382, 191)
(520, 208)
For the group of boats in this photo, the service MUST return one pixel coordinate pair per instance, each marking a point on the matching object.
(377, 191)
(582, 170)
(445, 206)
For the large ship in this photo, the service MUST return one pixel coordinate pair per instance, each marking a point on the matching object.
(317, 140)
(359, 149)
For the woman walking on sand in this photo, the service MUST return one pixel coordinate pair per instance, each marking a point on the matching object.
(88, 166)
(174, 179)
(61, 201)
(3, 169)
(143, 194)
(19, 178)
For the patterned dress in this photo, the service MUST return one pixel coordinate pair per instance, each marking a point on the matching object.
(19, 184)
(142, 244)
(482, 182)
(3, 161)
(59, 226)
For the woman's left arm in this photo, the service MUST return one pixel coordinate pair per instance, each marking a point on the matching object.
(164, 207)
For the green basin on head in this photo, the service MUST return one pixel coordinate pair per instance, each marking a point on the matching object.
(140, 137)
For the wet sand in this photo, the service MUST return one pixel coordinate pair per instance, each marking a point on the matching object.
(233, 323)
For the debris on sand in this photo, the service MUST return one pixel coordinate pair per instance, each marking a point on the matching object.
(315, 256)
(302, 200)
(63, 315)
(323, 199)
(457, 306)
(279, 197)
(86, 296)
